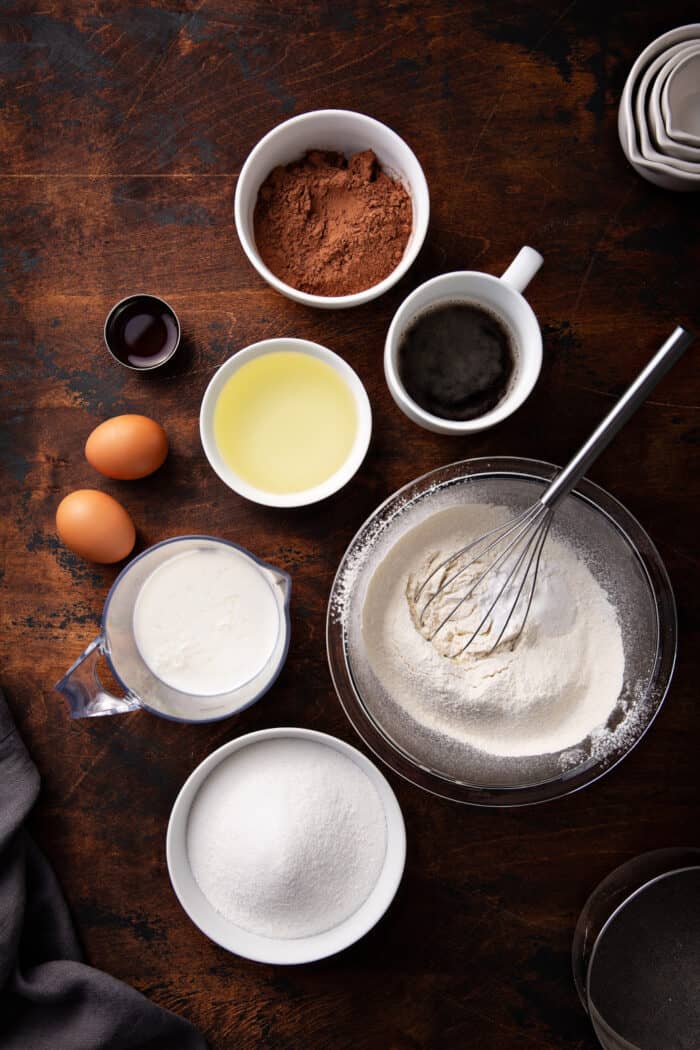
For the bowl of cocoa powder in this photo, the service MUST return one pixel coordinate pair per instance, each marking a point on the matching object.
(332, 208)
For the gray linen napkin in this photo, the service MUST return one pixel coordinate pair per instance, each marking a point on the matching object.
(49, 998)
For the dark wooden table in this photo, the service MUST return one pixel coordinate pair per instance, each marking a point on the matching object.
(122, 132)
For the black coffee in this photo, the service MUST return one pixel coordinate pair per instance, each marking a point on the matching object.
(645, 971)
(456, 361)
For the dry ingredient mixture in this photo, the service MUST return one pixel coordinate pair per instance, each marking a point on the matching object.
(544, 692)
(287, 838)
(332, 226)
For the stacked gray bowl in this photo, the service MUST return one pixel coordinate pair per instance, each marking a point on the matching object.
(659, 115)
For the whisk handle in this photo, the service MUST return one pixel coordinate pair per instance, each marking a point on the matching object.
(665, 358)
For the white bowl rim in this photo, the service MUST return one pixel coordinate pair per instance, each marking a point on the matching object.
(626, 119)
(690, 31)
(419, 231)
(684, 138)
(666, 142)
(642, 117)
(336, 481)
(505, 408)
(297, 950)
(657, 174)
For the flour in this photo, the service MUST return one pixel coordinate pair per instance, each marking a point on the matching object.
(287, 838)
(544, 692)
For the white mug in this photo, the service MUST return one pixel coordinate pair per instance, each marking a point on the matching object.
(501, 296)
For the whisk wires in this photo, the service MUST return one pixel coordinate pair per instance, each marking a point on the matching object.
(526, 533)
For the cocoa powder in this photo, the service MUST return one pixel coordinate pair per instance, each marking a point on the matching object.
(332, 226)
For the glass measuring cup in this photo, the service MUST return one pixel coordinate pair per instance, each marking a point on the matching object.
(639, 921)
(87, 696)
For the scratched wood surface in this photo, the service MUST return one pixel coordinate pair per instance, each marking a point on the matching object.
(123, 129)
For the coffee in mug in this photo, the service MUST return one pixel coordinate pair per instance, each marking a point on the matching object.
(457, 360)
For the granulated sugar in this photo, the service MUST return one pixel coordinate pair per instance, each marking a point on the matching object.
(287, 838)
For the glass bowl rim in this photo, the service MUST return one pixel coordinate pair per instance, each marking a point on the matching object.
(610, 897)
(507, 797)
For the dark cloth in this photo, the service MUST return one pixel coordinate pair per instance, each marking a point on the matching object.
(49, 998)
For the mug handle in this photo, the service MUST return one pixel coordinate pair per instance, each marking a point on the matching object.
(84, 691)
(522, 269)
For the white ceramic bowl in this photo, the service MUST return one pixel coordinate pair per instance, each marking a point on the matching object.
(662, 171)
(285, 499)
(658, 174)
(642, 115)
(661, 140)
(680, 101)
(345, 132)
(298, 949)
(501, 296)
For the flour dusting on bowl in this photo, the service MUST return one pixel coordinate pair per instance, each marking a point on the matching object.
(501, 755)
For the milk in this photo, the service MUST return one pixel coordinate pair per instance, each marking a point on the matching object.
(206, 621)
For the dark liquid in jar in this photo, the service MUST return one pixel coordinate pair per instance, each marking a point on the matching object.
(142, 332)
(456, 361)
(645, 970)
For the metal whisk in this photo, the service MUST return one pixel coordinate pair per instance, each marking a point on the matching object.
(517, 544)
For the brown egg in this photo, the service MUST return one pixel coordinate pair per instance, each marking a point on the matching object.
(127, 447)
(93, 525)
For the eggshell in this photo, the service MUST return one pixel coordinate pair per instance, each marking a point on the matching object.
(127, 447)
(93, 525)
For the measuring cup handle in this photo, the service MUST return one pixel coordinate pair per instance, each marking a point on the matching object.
(84, 691)
(522, 269)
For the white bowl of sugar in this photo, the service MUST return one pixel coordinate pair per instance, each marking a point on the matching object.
(286, 846)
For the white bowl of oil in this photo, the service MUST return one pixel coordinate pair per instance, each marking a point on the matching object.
(285, 422)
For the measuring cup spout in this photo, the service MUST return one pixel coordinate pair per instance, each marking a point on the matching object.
(281, 580)
(84, 691)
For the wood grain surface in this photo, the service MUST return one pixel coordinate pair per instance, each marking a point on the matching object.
(123, 129)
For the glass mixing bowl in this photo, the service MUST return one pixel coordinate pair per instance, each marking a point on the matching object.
(620, 555)
(626, 886)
